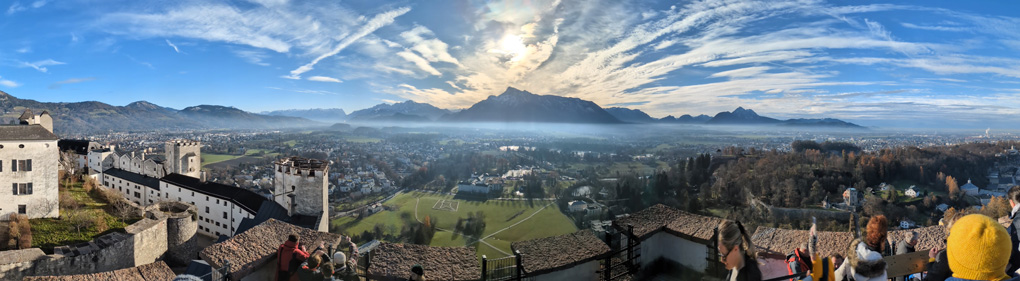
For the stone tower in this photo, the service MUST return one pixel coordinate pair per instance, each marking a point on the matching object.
(184, 157)
(301, 187)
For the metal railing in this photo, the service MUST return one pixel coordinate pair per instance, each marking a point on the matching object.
(622, 259)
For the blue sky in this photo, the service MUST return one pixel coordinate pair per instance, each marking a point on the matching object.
(891, 64)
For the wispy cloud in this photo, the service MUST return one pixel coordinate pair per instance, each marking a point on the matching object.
(8, 83)
(324, 79)
(173, 46)
(18, 7)
(304, 91)
(376, 22)
(255, 57)
(143, 63)
(41, 65)
(934, 27)
(23, 50)
(56, 85)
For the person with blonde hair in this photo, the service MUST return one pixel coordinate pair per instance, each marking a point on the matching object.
(737, 252)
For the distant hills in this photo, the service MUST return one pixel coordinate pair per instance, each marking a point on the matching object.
(513, 105)
(325, 115)
(97, 117)
(521, 106)
(408, 111)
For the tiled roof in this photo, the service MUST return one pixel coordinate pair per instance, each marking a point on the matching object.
(390, 260)
(697, 226)
(784, 241)
(157, 271)
(140, 179)
(649, 220)
(244, 198)
(254, 248)
(25, 132)
(559, 252)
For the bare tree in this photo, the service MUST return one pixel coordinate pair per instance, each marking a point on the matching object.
(79, 219)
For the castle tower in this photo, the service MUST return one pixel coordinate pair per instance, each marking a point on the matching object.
(184, 157)
(301, 187)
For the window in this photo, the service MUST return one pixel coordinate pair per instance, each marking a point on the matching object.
(22, 209)
(15, 192)
(28, 165)
(138, 195)
(224, 214)
(217, 224)
(14, 165)
(206, 209)
(1, 166)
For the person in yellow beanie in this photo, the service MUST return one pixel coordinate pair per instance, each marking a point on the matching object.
(978, 249)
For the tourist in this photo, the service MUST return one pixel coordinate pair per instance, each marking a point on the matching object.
(417, 273)
(978, 248)
(906, 246)
(938, 267)
(822, 269)
(310, 270)
(290, 254)
(326, 270)
(1014, 236)
(837, 260)
(340, 260)
(865, 261)
(737, 252)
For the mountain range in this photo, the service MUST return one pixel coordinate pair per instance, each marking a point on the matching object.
(325, 115)
(513, 105)
(97, 117)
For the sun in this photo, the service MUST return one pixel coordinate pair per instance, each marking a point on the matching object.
(513, 46)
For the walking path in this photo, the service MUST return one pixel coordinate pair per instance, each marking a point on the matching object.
(482, 240)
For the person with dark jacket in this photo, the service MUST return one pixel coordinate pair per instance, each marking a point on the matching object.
(286, 253)
(1014, 235)
(938, 266)
(737, 252)
(906, 246)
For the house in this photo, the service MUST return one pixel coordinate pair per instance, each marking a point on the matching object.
(577, 206)
(884, 186)
(28, 166)
(942, 207)
(912, 192)
(970, 189)
(852, 197)
(907, 224)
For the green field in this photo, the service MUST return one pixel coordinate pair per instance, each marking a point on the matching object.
(210, 158)
(498, 215)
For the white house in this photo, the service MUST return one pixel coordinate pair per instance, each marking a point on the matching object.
(912, 192)
(577, 206)
(29, 163)
(907, 224)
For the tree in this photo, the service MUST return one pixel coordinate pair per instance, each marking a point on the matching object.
(953, 188)
(79, 220)
(19, 232)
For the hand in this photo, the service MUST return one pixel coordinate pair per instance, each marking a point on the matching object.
(933, 253)
(303, 249)
(322, 245)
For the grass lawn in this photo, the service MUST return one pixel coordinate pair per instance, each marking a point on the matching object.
(210, 158)
(498, 215)
(48, 233)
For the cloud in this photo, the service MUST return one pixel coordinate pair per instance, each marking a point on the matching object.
(375, 23)
(934, 27)
(305, 91)
(173, 46)
(9, 83)
(41, 65)
(56, 85)
(389, 101)
(420, 62)
(255, 57)
(324, 79)
(143, 63)
(18, 7)
(430, 49)
(23, 50)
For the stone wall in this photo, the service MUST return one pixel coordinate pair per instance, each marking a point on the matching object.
(182, 224)
(144, 242)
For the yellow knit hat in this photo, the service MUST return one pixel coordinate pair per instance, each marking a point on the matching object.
(978, 248)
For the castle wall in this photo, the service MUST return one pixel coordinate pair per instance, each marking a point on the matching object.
(144, 243)
(310, 190)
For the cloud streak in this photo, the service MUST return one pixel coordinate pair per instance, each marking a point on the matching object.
(41, 65)
(372, 25)
(57, 85)
(171, 44)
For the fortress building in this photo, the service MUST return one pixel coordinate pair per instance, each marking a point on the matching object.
(28, 167)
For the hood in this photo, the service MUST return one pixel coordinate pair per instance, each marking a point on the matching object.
(866, 264)
(290, 245)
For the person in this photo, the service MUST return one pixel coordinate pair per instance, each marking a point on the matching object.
(906, 246)
(1014, 235)
(289, 255)
(864, 261)
(737, 252)
(417, 273)
(799, 261)
(326, 270)
(310, 270)
(837, 260)
(978, 248)
(938, 267)
(822, 269)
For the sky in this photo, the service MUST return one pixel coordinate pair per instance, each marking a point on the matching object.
(890, 64)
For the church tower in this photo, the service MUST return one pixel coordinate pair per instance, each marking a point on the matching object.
(184, 157)
(301, 187)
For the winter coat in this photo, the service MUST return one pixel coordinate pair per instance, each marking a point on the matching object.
(862, 264)
(749, 272)
(938, 270)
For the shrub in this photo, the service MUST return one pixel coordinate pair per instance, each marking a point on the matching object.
(68, 202)
(19, 233)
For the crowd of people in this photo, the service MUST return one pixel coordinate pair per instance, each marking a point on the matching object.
(977, 248)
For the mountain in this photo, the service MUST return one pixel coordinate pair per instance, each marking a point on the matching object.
(521, 106)
(325, 115)
(401, 111)
(97, 117)
(824, 122)
(686, 118)
(741, 116)
(630, 115)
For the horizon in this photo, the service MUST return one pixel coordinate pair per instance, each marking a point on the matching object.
(939, 64)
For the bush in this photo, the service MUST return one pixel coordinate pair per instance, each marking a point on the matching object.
(19, 233)
(68, 203)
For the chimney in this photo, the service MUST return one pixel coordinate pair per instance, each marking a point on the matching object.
(201, 176)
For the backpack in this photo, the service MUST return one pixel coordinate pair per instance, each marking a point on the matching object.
(796, 264)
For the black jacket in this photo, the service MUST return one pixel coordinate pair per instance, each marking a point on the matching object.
(1014, 254)
(750, 272)
(939, 269)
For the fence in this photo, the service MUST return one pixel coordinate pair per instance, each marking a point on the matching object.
(218, 274)
(621, 261)
(504, 269)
